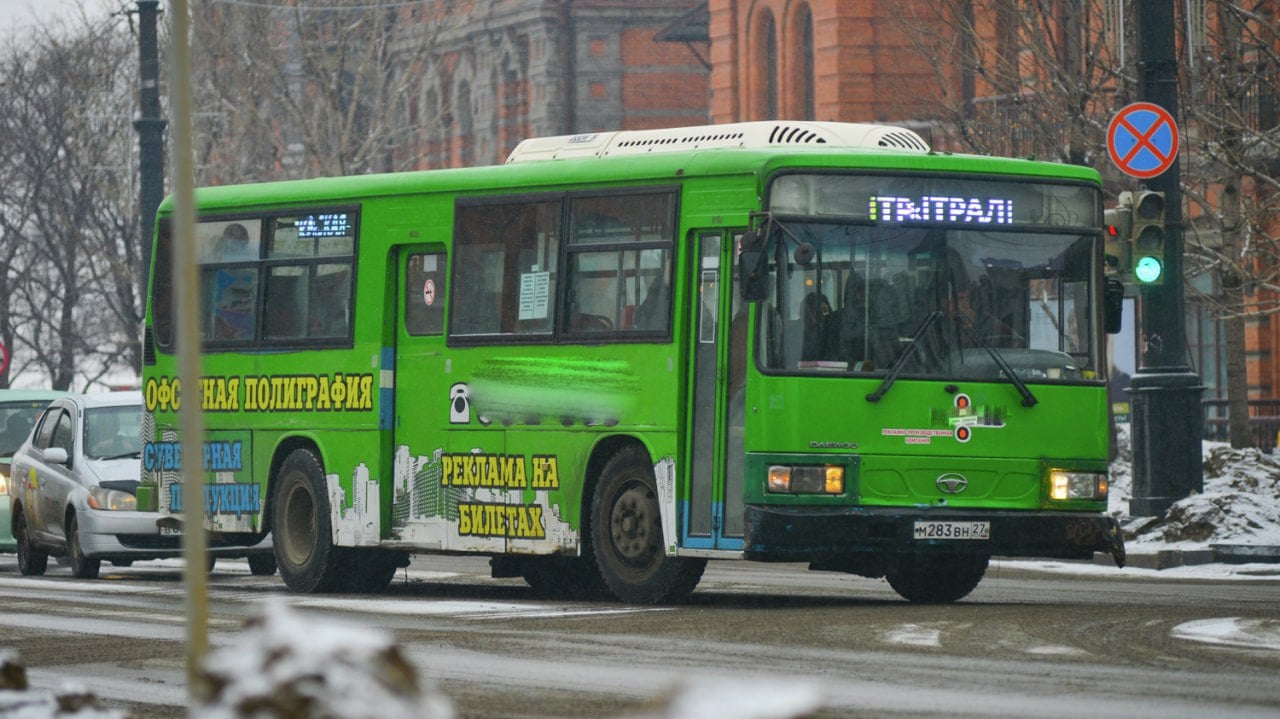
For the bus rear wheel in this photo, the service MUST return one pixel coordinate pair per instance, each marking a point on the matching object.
(303, 538)
(935, 577)
(626, 535)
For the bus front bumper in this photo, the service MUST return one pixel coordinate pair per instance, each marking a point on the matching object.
(828, 534)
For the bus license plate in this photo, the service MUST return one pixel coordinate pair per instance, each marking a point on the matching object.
(170, 531)
(953, 530)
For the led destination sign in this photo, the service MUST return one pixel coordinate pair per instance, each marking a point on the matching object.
(983, 210)
(959, 200)
(331, 224)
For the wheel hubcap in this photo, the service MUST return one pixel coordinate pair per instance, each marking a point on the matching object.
(299, 526)
(632, 524)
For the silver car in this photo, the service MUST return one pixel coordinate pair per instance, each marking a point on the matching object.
(73, 495)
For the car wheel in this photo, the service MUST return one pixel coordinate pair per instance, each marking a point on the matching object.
(31, 561)
(81, 566)
(626, 535)
(262, 564)
(305, 554)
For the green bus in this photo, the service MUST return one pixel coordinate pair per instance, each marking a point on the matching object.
(620, 355)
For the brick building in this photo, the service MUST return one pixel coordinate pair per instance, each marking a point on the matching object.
(511, 69)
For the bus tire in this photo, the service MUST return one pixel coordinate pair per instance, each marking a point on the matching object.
(564, 578)
(31, 561)
(935, 577)
(262, 564)
(626, 535)
(372, 570)
(301, 531)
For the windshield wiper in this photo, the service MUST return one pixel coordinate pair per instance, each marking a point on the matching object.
(1028, 399)
(896, 366)
(134, 453)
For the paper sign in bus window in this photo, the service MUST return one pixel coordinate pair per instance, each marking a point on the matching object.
(535, 287)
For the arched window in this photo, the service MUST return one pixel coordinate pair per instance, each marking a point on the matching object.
(765, 51)
(800, 53)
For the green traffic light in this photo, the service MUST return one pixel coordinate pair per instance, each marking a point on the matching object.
(1147, 270)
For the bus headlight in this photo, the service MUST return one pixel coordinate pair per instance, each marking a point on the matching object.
(112, 500)
(806, 479)
(1064, 485)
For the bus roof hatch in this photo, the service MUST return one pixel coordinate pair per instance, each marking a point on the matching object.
(747, 135)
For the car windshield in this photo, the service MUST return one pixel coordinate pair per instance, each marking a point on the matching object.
(112, 432)
(856, 297)
(16, 421)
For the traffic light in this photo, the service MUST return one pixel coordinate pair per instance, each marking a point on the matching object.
(1147, 231)
(1118, 224)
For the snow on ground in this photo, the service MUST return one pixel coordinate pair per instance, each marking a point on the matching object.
(1240, 504)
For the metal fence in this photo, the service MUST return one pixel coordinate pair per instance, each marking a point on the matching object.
(1264, 421)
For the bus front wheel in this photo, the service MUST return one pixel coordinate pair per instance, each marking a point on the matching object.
(305, 554)
(935, 577)
(626, 535)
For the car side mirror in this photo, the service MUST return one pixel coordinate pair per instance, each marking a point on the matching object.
(1113, 306)
(55, 455)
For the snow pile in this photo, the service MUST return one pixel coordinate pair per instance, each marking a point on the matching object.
(1240, 503)
(286, 665)
(744, 699)
(18, 702)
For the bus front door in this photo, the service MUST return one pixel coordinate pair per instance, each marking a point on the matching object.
(719, 368)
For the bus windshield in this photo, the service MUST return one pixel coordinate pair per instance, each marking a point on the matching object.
(854, 297)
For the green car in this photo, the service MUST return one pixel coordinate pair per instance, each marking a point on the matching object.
(19, 409)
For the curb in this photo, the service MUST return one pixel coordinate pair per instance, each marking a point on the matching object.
(1170, 558)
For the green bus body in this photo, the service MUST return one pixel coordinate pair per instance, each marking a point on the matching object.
(464, 361)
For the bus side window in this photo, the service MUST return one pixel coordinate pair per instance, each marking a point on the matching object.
(424, 294)
(504, 268)
(619, 262)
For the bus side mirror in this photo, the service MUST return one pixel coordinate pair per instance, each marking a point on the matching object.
(1113, 305)
(751, 264)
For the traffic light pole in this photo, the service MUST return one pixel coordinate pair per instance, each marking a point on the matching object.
(150, 125)
(1164, 394)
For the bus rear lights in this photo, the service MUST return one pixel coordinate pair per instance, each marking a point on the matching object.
(1064, 485)
(806, 479)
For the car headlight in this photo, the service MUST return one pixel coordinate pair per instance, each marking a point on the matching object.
(806, 479)
(112, 500)
(1065, 486)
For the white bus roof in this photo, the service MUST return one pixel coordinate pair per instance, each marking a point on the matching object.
(740, 135)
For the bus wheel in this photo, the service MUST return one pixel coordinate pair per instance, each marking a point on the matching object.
(305, 554)
(372, 570)
(935, 577)
(564, 578)
(31, 561)
(262, 564)
(626, 535)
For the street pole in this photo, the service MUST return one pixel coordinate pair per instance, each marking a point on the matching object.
(1164, 393)
(150, 125)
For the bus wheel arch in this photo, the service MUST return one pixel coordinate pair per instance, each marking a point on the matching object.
(623, 529)
(301, 523)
